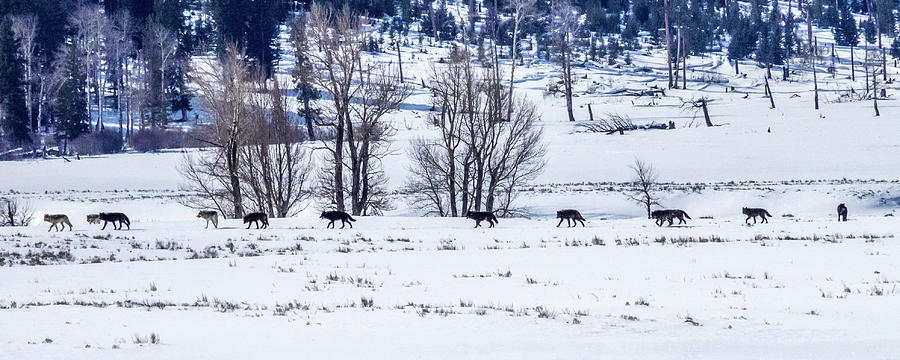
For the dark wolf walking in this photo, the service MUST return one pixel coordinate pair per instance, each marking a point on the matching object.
(333, 216)
(480, 216)
(570, 216)
(57, 219)
(113, 218)
(210, 217)
(842, 212)
(257, 218)
(662, 216)
(754, 212)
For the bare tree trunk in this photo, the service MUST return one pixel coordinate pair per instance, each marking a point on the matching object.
(771, 96)
(668, 47)
(677, 54)
(852, 65)
(399, 59)
(705, 112)
(815, 80)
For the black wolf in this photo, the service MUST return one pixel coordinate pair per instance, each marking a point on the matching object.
(662, 216)
(333, 216)
(480, 216)
(110, 218)
(754, 212)
(57, 219)
(570, 216)
(257, 218)
(209, 216)
(842, 212)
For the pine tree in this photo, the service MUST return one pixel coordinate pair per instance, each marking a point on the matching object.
(770, 50)
(895, 48)
(304, 74)
(868, 28)
(72, 117)
(846, 33)
(743, 41)
(12, 96)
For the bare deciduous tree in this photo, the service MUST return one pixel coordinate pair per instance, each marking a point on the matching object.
(520, 10)
(15, 213)
(225, 86)
(480, 157)
(276, 167)
(25, 29)
(91, 27)
(644, 183)
(564, 28)
(361, 97)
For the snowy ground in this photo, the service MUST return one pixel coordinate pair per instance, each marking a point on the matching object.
(402, 286)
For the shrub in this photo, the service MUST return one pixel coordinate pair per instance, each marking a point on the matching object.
(156, 139)
(102, 142)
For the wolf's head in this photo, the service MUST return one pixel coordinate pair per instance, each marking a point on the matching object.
(47, 217)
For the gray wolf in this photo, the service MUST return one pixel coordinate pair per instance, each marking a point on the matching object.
(569, 215)
(210, 216)
(58, 219)
(333, 216)
(480, 216)
(754, 212)
(257, 218)
(662, 216)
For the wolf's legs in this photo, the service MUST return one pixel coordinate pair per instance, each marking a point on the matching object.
(207, 223)
(349, 223)
(248, 225)
(70, 226)
(560, 222)
(104, 225)
(748, 220)
(582, 223)
(54, 225)
(477, 223)
(491, 222)
(764, 219)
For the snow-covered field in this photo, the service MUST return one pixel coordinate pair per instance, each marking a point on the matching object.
(403, 286)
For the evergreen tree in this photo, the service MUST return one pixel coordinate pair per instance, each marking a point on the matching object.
(895, 48)
(445, 23)
(868, 28)
(253, 25)
(12, 96)
(304, 75)
(179, 94)
(72, 118)
(830, 18)
(743, 40)
(846, 32)
(770, 50)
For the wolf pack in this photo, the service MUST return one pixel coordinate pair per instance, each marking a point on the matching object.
(572, 218)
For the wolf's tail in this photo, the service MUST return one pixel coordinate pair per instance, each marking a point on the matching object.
(350, 218)
(767, 213)
(686, 215)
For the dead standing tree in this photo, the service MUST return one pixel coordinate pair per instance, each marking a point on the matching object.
(645, 186)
